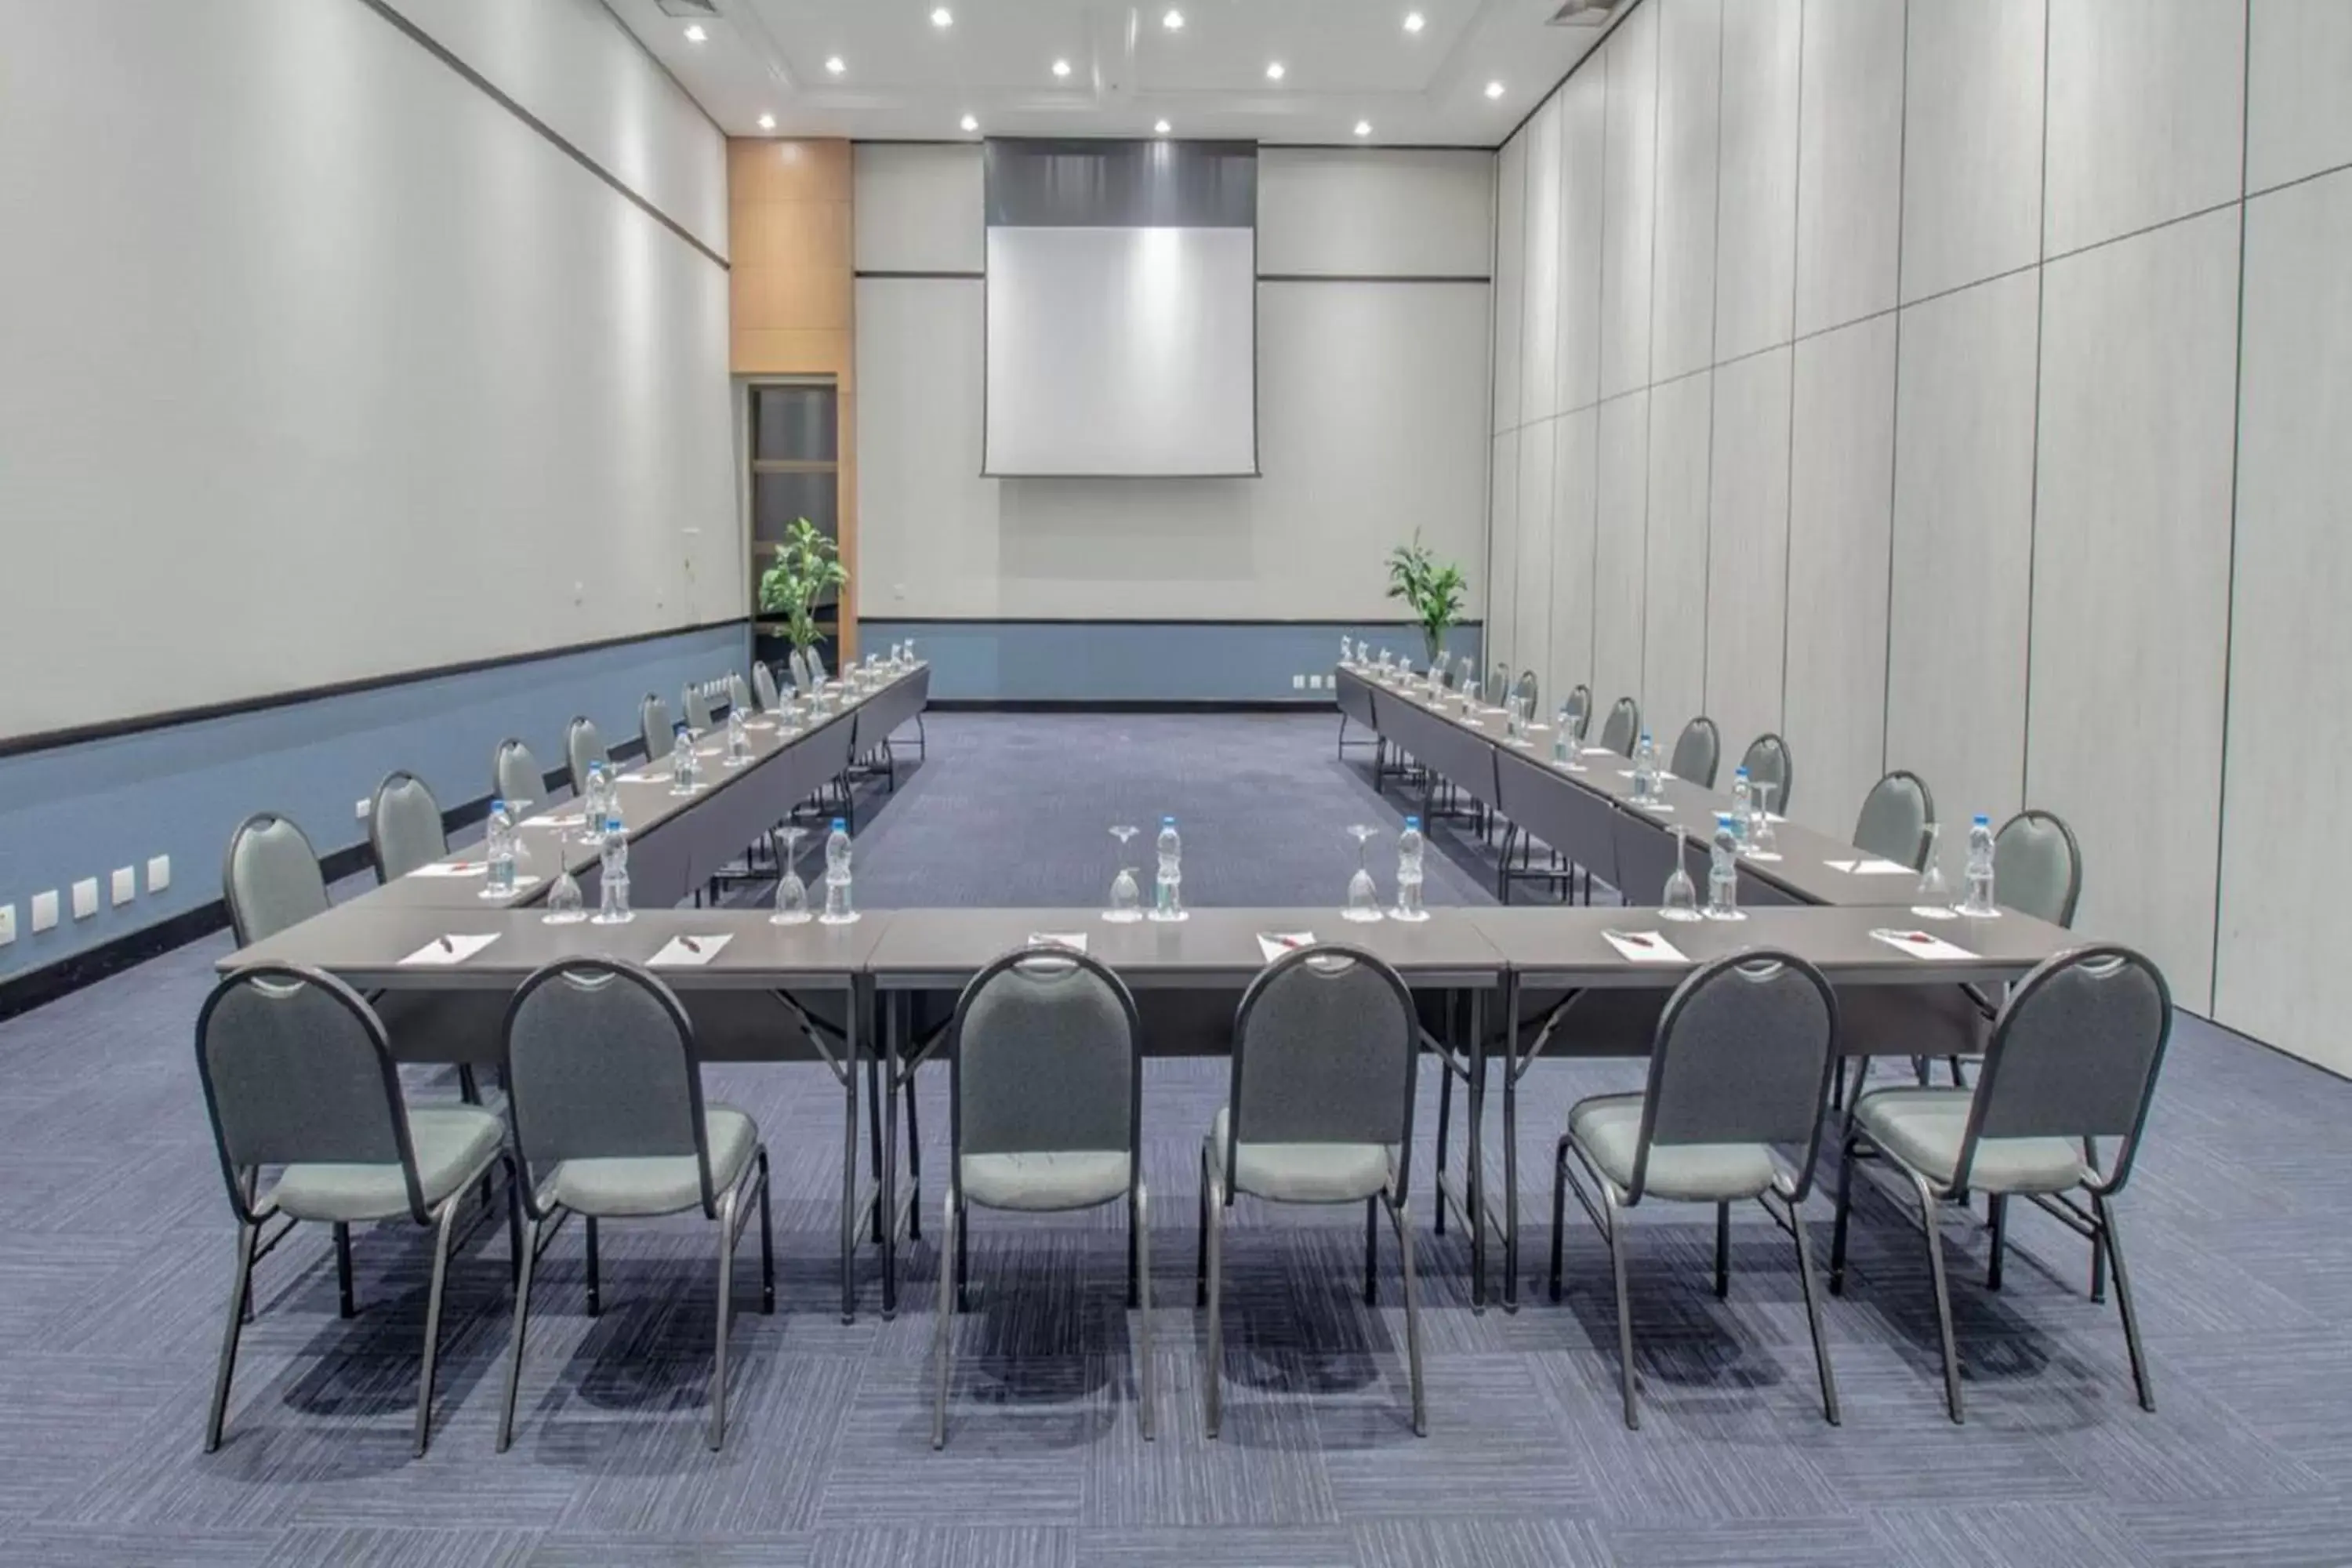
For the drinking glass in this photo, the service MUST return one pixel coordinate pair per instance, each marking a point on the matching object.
(1681, 901)
(1125, 898)
(792, 893)
(1363, 898)
(1760, 837)
(1934, 892)
(564, 906)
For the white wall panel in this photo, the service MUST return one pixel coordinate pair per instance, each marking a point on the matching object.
(2131, 571)
(927, 524)
(1574, 473)
(1539, 274)
(1841, 513)
(1963, 546)
(1510, 270)
(1530, 645)
(1367, 212)
(1629, 220)
(1503, 547)
(1849, 161)
(1623, 474)
(1674, 641)
(1583, 112)
(1682, 314)
(2147, 115)
(2298, 114)
(1748, 549)
(921, 209)
(1756, 240)
(2285, 927)
(1971, 144)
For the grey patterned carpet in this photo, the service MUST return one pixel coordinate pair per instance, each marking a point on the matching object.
(115, 1259)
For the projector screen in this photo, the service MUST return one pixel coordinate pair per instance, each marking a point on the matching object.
(1122, 311)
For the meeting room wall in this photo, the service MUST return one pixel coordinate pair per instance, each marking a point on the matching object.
(1374, 336)
(1882, 380)
(346, 341)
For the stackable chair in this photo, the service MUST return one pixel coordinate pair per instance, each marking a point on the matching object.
(515, 773)
(1698, 752)
(582, 746)
(1622, 728)
(655, 729)
(404, 828)
(270, 877)
(1895, 815)
(1766, 760)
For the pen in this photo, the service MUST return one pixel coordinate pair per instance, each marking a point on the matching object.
(449, 946)
(691, 945)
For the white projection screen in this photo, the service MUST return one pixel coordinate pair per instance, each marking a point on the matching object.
(1122, 310)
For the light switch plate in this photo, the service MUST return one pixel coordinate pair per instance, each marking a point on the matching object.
(159, 873)
(7, 924)
(124, 886)
(44, 911)
(85, 898)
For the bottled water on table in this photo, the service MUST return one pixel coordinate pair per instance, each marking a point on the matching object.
(1743, 805)
(1167, 894)
(838, 908)
(1563, 744)
(681, 762)
(738, 740)
(1978, 897)
(613, 878)
(1723, 872)
(1409, 847)
(594, 803)
(1645, 770)
(499, 843)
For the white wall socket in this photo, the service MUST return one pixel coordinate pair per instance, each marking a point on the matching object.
(159, 873)
(358, 810)
(85, 898)
(1298, 683)
(44, 911)
(7, 924)
(124, 886)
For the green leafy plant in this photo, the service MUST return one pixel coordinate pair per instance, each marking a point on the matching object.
(1431, 589)
(806, 564)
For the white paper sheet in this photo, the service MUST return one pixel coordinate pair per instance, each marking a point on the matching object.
(449, 950)
(1870, 867)
(452, 869)
(1274, 944)
(690, 951)
(1644, 947)
(1076, 941)
(1921, 944)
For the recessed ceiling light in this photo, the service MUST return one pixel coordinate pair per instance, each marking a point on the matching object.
(767, 122)
(1363, 128)
(1274, 71)
(694, 33)
(1160, 128)
(834, 65)
(1413, 22)
(970, 123)
(1061, 67)
(1494, 90)
(1173, 21)
(942, 17)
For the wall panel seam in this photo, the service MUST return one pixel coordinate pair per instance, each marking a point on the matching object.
(2229, 586)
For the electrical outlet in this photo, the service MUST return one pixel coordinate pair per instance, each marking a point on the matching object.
(7, 924)
(1298, 683)
(125, 886)
(45, 912)
(85, 898)
(358, 810)
(159, 873)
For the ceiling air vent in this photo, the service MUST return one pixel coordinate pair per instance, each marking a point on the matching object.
(696, 8)
(1575, 13)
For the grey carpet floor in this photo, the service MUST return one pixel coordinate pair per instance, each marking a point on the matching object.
(115, 1259)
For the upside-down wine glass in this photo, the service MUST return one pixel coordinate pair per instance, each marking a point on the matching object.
(1363, 896)
(1681, 901)
(1125, 898)
(792, 893)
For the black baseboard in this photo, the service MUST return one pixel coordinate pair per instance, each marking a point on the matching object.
(1126, 705)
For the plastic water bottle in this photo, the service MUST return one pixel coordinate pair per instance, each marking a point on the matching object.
(1645, 769)
(1168, 895)
(1563, 744)
(613, 879)
(1410, 846)
(499, 842)
(1743, 805)
(594, 804)
(1723, 871)
(681, 763)
(739, 739)
(838, 908)
(1977, 898)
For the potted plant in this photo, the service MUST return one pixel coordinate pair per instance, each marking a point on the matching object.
(1431, 589)
(806, 564)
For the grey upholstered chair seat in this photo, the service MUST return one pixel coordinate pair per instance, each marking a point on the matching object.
(455, 1145)
(1925, 1128)
(1608, 1128)
(1304, 1172)
(655, 1183)
(1044, 1182)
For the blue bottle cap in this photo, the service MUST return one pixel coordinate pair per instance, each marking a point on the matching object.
(1167, 822)
(1741, 772)
(498, 806)
(1412, 822)
(837, 822)
(1983, 821)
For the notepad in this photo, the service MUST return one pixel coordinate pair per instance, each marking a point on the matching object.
(572, 819)
(1871, 867)
(1603, 751)
(446, 951)
(1766, 855)
(1921, 944)
(1628, 773)
(647, 775)
(1274, 944)
(452, 869)
(1075, 941)
(688, 952)
(1644, 947)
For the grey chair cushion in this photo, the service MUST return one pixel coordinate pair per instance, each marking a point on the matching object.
(454, 1144)
(660, 1184)
(1923, 1128)
(1608, 1128)
(1044, 1182)
(1304, 1172)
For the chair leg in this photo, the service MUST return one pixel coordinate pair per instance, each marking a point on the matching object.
(596, 1294)
(1998, 1207)
(349, 1304)
(963, 1260)
(1212, 1377)
(1200, 1262)
(1722, 1251)
(1559, 1207)
(767, 1242)
(1444, 1128)
(1943, 1296)
(913, 1166)
(1139, 1226)
(2098, 1253)
(1624, 1307)
(1844, 1210)
(1371, 1252)
(941, 1333)
(514, 1220)
(433, 1319)
(1814, 1314)
(246, 1237)
(2105, 1215)
(727, 1206)
(468, 1089)
(521, 1326)
(1412, 1319)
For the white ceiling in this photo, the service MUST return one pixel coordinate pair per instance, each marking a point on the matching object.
(1344, 61)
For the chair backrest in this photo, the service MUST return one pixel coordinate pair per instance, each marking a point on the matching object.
(1530, 691)
(582, 746)
(1579, 708)
(2037, 866)
(816, 663)
(1624, 725)
(1045, 1059)
(1895, 818)
(694, 701)
(1444, 670)
(2074, 1054)
(515, 773)
(1326, 1045)
(601, 1064)
(763, 682)
(739, 694)
(1499, 684)
(1699, 751)
(298, 1069)
(270, 877)
(653, 727)
(801, 681)
(404, 828)
(1743, 1054)
(1767, 762)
